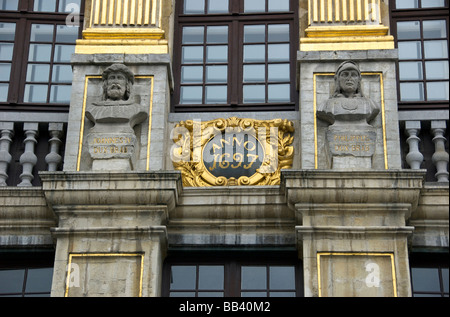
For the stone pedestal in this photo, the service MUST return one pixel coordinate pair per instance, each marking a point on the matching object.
(111, 236)
(352, 230)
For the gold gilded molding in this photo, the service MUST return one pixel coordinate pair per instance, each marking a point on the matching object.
(335, 25)
(374, 254)
(191, 137)
(87, 255)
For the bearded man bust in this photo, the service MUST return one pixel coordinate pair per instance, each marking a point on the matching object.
(112, 140)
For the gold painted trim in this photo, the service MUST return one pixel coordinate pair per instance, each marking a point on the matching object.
(123, 33)
(83, 116)
(383, 114)
(391, 255)
(193, 136)
(365, 31)
(72, 255)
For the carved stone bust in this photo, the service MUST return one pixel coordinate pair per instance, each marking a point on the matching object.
(351, 138)
(347, 102)
(112, 139)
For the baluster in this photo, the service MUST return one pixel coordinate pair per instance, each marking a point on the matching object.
(6, 134)
(28, 159)
(414, 158)
(53, 159)
(440, 157)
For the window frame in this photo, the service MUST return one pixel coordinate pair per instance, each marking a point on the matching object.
(235, 19)
(437, 261)
(26, 260)
(24, 17)
(418, 14)
(232, 262)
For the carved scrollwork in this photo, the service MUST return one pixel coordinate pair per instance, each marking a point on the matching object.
(232, 152)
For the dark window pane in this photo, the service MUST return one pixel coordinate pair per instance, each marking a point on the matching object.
(182, 294)
(40, 53)
(425, 279)
(254, 73)
(11, 281)
(3, 92)
(253, 277)
(437, 90)
(192, 54)
(410, 70)
(5, 71)
(66, 34)
(41, 33)
(406, 4)
(279, 93)
(409, 50)
(35, 93)
(191, 95)
(7, 31)
(254, 53)
(278, 72)
(62, 74)
(6, 51)
(68, 5)
(436, 49)
(39, 280)
(9, 5)
(38, 73)
(254, 33)
(254, 6)
(216, 94)
(282, 278)
(411, 91)
(278, 52)
(278, 33)
(45, 5)
(434, 29)
(433, 3)
(278, 5)
(217, 34)
(210, 277)
(218, 6)
(193, 34)
(282, 294)
(436, 70)
(217, 54)
(191, 74)
(408, 30)
(194, 6)
(216, 74)
(253, 294)
(254, 93)
(210, 294)
(182, 277)
(60, 94)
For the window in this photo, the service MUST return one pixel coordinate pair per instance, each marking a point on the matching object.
(421, 31)
(429, 275)
(26, 274)
(235, 55)
(249, 277)
(37, 39)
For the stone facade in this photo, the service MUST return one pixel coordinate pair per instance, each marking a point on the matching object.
(113, 218)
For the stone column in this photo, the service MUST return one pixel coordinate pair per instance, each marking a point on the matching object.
(111, 237)
(352, 233)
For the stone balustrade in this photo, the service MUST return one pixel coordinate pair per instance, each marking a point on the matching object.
(426, 148)
(423, 143)
(27, 148)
